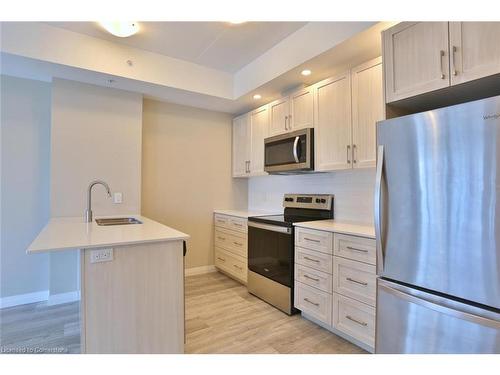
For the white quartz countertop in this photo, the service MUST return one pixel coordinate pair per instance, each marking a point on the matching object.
(354, 229)
(246, 213)
(64, 233)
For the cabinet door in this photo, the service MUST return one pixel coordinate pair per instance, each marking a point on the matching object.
(278, 116)
(474, 49)
(333, 123)
(301, 109)
(241, 145)
(259, 123)
(416, 59)
(367, 109)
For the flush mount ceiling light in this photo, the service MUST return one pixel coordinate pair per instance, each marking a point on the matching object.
(306, 72)
(121, 29)
(257, 97)
(236, 22)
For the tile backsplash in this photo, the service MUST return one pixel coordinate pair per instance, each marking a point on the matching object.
(353, 192)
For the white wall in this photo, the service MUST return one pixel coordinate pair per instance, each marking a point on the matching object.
(186, 172)
(96, 134)
(353, 192)
(25, 167)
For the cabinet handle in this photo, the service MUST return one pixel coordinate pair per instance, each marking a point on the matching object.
(454, 50)
(286, 122)
(356, 249)
(249, 170)
(354, 154)
(237, 224)
(348, 152)
(221, 221)
(238, 243)
(222, 259)
(238, 267)
(310, 239)
(356, 281)
(356, 321)
(441, 55)
(290, 122)
(311, 259)
(221, 238)
(311, 302)
(310, 278)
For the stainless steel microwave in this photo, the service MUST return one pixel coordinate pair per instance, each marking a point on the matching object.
(290, 153)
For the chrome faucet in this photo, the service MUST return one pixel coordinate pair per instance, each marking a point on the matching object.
(88, 211)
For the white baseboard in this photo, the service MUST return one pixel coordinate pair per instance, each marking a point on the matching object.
(23, 299)
(199, 270)
(57, 299)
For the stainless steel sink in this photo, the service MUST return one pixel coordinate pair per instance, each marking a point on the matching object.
(118, 221)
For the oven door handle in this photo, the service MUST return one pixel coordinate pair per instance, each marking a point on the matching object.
(274, 228)
(295, 149)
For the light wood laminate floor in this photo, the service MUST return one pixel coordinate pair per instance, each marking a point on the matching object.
(221, 317)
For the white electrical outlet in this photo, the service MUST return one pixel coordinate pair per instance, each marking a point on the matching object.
(101, 255)
(117, 198)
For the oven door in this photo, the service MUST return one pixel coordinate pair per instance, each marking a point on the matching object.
(289, 152)
(270, 252)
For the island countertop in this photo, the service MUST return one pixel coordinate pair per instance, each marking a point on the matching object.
(63, 233)
(335, 226)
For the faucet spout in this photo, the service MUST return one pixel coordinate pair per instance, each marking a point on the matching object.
(88, 211)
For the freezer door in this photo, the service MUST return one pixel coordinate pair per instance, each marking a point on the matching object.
(412, 321)
(437, 207)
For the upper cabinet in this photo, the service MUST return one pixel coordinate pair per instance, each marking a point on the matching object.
(420, 57)
(293, 112)
(259, 125)
(241, 146)
(416, 59)
(367, 109)
(474, 50)
(333, 124)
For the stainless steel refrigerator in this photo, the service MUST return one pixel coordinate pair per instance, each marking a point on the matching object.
(437, 221)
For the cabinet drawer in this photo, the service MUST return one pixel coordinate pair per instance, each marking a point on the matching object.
(314, 240)
(314, 278)
(232, 265)
(235, 242)
(314, 259)
(237, 223)
(355, 279)
(221, 221)
(355, 248)
(354, 318)
(313, 302)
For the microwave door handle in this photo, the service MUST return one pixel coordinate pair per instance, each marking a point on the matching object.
(295, 147)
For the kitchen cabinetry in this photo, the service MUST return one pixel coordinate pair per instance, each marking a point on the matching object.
(241, 145)
(474, 50)
(231, 254)
(420, 57)
(335, 283)
(259, 125)
(367, 109)
(293, 112)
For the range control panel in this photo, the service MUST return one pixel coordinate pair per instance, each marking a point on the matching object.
(311, 201)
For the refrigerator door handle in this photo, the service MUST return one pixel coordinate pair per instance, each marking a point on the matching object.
(377, 210)
(441, 305)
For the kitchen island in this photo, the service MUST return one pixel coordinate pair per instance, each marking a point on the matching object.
(132, 283)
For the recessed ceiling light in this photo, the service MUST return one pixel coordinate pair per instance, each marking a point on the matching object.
(236, 22)
(306, 72)
(121, 29)
(257, 97)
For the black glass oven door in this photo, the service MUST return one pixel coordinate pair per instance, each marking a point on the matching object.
(270, 252)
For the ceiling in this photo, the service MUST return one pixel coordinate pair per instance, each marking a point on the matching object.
(219, 45)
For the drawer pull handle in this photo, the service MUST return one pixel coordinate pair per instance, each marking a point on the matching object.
(356, 281)
(238, 243)
(310, 278)
(356, 321)
(221, 238)
(238, 267)
(222, 259)
(356, 249)
(237, 224)
(221, 221)
(311, 302)
(312, 260)
(312, 240)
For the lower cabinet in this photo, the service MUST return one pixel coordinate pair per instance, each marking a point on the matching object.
(230, 246)
(334, 287)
